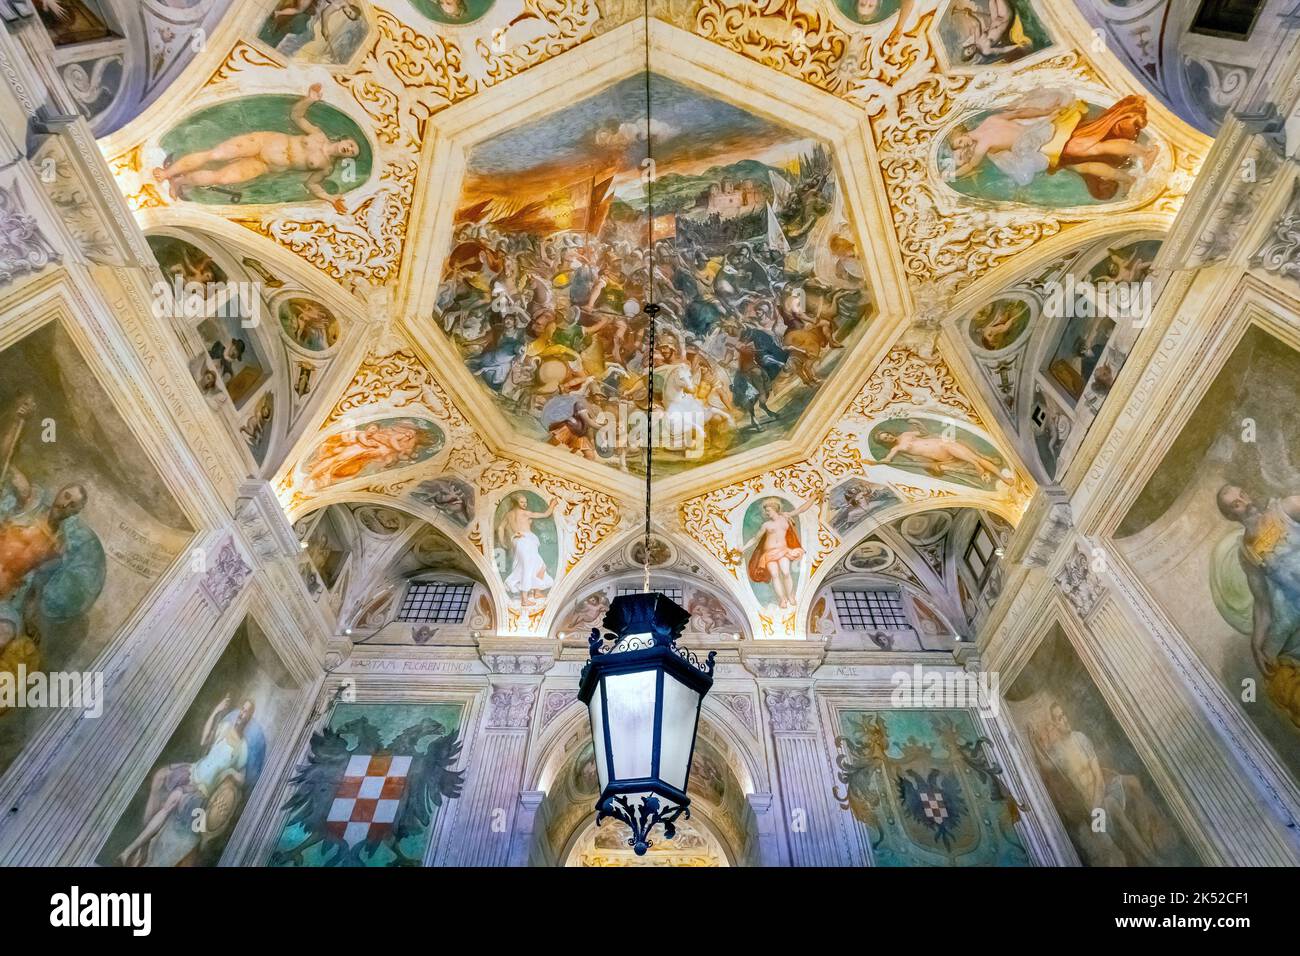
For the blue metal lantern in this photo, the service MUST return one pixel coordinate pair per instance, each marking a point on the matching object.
(643, 693)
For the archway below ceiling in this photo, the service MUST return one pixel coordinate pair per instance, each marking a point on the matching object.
(721, 830)
(933, 574)
(367, 555)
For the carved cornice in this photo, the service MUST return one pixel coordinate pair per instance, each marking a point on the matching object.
(783, 659)
(1043, 529)
(263, 522)
(511, 655)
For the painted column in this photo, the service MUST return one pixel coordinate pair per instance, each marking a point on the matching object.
(526, 823)
(765, 850)
(486, 823)
(814, 828)
(1238, 829)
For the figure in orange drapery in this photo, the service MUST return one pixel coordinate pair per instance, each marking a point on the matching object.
(762, 558)
(349, 453)
(1095, 141)
(776, 549)
(1044, 132)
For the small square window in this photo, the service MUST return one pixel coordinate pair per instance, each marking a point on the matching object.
(871, 610)
(1230, 19)
(980, 553)
(435, 602)
(673, 593)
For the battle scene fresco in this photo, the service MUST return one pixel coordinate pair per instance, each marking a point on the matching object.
(755, 269)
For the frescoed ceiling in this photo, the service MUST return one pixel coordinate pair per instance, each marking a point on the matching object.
(854, 208)
(542, 287)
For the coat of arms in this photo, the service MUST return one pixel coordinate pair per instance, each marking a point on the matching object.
(926, 798)
(364, 798)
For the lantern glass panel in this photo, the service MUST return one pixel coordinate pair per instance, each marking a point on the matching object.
(631, 705)
(681, 705)
(598, 735)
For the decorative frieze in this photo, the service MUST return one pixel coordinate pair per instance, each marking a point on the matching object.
(518, 663)
(1279, 253)
(742, 705)
(23, 246)
(554, 702)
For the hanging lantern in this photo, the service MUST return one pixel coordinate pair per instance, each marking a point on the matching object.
(643, 693)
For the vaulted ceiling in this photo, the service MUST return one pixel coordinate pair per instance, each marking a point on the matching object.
(859, 212)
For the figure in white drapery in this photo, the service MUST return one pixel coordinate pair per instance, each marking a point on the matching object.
(528, 575)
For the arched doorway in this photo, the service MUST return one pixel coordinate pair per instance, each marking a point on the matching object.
(720, 831)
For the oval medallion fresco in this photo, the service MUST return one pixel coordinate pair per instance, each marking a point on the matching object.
(1052, 149)
(370, 449)
(943, 450)
(999, 324)
(270, 148)
(454, 12)
(868, 12)
(309, 324)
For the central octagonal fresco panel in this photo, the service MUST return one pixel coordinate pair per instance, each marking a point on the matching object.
(755, 267)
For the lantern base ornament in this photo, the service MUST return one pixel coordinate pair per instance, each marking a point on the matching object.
(643, 694)
(641, 817)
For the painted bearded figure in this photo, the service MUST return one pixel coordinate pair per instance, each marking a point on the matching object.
(1270, 558)
(52, 565)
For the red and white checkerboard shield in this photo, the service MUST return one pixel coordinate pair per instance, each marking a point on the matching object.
(934, 807)
(365, 805)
